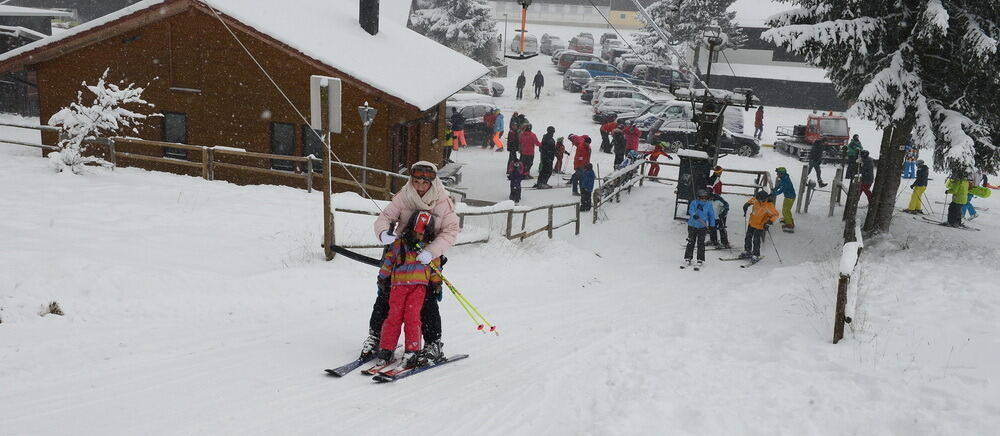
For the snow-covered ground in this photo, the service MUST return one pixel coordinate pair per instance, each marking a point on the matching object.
(196, 307)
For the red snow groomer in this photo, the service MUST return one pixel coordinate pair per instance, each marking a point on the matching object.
(827, 129)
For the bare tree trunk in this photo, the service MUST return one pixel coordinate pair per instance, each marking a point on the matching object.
(890, 168)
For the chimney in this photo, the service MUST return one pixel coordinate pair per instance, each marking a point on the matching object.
(368, 16)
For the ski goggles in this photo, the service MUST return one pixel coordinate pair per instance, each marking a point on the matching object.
(423, 173)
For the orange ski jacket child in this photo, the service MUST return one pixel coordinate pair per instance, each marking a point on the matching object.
(763, 212)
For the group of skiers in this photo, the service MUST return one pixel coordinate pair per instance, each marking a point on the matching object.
(708, 213)
(619, 138)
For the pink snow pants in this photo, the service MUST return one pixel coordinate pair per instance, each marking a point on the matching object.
(405, 303)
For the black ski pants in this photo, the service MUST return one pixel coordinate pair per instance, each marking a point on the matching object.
(430, 315)
(619, 157)
(954, 214)
(719, 231)
(585, 200)
(538, 91)
(695, 236)
(520, 92)
(527, 160)
(545, 168)
(755, 237)
(815, 165)
(605, 142)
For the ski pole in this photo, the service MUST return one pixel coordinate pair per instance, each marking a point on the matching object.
(465, 301)
(929, 207)
(773, 244)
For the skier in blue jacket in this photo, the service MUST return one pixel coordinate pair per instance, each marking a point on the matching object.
(783, 186)
(587, 179)
(498, 127)
(702, 217)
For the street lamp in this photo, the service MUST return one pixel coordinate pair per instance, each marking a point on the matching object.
(713, 37)
(367, 116)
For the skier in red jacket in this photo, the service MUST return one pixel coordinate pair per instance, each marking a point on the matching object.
(632, 135)
(580, 159)
(529, 142)
(606, 130)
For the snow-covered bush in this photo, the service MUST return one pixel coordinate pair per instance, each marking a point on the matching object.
(466, 26)
(104, 116)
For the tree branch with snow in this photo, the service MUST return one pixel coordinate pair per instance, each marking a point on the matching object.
(104, 116)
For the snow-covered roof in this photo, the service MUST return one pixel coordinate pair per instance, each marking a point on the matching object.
(778, 72)
(397, 60)
(18, 11)
(754, 13)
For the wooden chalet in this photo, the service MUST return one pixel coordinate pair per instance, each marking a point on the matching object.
(212, 93)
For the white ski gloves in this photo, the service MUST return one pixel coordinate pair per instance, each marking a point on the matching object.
(387, 238)
(425, 257)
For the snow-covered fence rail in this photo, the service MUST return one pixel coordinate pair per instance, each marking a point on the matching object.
(612, 186)
(849, 260)
(508, 232)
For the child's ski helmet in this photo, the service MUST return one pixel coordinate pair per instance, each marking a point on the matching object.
(420, 228)
(760, 196)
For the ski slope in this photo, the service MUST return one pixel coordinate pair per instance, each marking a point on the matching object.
(196, 307)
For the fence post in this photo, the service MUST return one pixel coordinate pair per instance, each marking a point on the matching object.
(802, 188)
(309, 175)
(461, 221)
(114, 157)
(594, 203)
(840, 182)
(578, 219)
(328, 233)
(642, 174)
(838, 320)
(835, 190)
(204, 163)
(550, 221)
(211, 163)
(810, 189)
(510, 222)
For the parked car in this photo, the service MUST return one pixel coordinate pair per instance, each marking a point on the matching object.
(614, 106)
(574, 80)
(582, 44)
(530, 44)
(682, 134)
(609, 36)
(498, 89)
(597, 69)
(476, 132)
(557, 53)
(628, 65)
(674, 110)
(653, 109)
(587, 93)
(484, 86)
(567, 59)
(660, 74)
(551, 44)
(609, 93)
(608, 47)
(616, 54)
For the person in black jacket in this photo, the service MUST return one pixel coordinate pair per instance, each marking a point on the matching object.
(918, 186)
(458, 128)
(867, 174)
(618, 145)
(538, 83)
(815, 159)
(548, 154)
(521, 81)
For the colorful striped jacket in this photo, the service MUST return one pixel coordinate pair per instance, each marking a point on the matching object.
(400, 264)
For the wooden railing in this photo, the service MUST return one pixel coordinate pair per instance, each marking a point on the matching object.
(509, 231)
(213, 157)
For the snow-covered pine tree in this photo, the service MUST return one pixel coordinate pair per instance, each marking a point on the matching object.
(923, 70)
(466, 26)
(104, 116)
(685, 22)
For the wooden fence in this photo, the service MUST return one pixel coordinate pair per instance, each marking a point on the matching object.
(850, 257)
(211, 158)
(509, 231)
